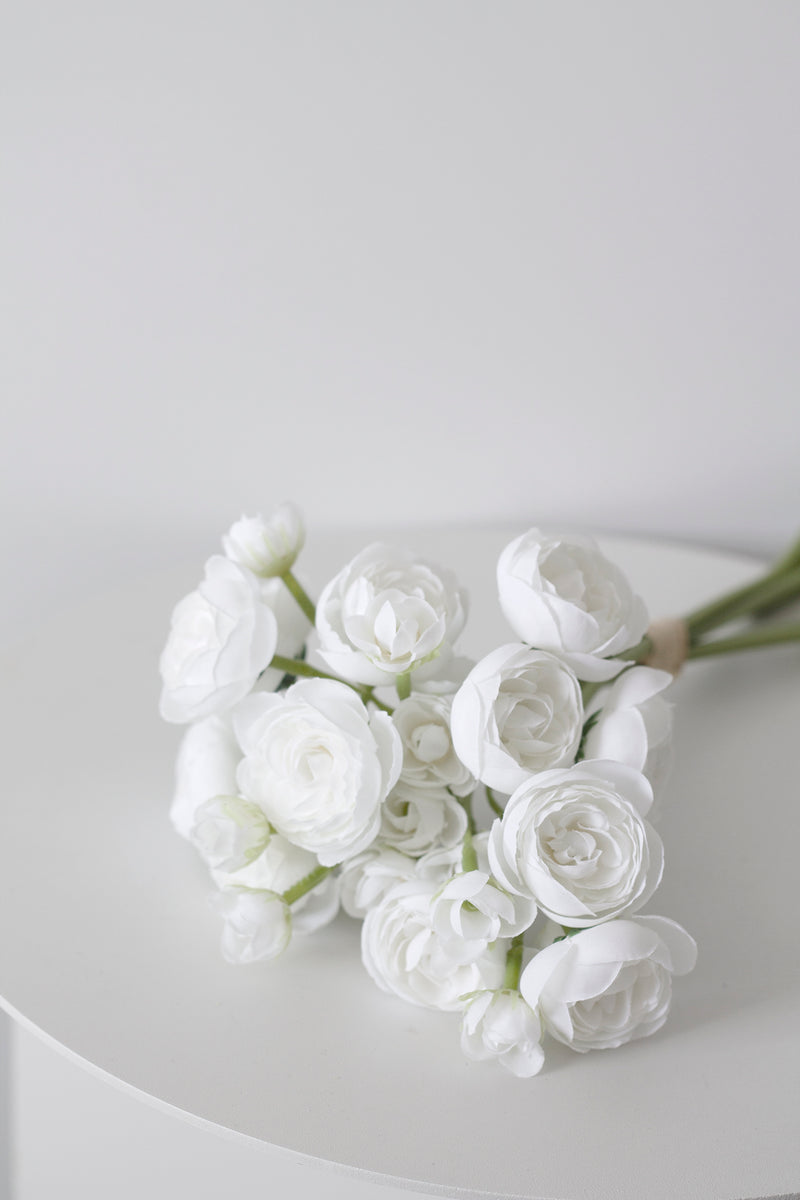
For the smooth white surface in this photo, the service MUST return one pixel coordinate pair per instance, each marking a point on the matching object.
(77, 1138)
(100, 897)
(535, 261)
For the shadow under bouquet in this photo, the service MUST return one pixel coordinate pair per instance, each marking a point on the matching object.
(490, 823)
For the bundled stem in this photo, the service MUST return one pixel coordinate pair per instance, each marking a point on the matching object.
(767, 594)
(776, 590)
(751, 639)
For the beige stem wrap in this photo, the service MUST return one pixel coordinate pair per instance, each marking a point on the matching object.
(670, 638)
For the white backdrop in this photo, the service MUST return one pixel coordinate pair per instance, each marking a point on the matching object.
(401, 261)
(418, 260)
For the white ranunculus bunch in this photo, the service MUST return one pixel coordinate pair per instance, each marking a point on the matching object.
(487, 822)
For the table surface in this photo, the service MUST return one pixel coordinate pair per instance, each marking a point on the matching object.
(109, 949)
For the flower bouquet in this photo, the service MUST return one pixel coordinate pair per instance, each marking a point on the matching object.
(490, 823)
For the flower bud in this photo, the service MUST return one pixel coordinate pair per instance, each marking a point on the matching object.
(501, 1026)
(258, 925)
(266, 548)
(230, 832)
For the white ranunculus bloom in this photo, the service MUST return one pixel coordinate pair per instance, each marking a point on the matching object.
(206, 766)
(403, 953)
(258, 925)
(279, 867)
(634, 724)
(318, 764)
(519, 711)
(577, 842)
(501, 1026)
(229, 832)
(607, 985)
(472, 911)
(222, 636)
(388, 613)
(563, 595)
(441, 863)
(416, 820)
(429, 759)
(367, 878)
(268, 547)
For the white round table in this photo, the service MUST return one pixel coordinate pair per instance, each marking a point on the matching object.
(109, 949)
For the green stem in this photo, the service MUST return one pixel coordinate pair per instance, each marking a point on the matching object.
(513, 964)
(296, 666)
(300, 594)
(469, 859)
(369, 697)
(494, 805)
(751, 639)
(403, 684)
(788, 561)
(638, 653)
(772, 591)
(305, 884)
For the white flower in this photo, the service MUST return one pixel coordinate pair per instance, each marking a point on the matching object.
(519, 711)
(404, 955)
(388, 613)
(443, 862)
(577, 842)
(318, 764)
(429, 759)
(416, 820)
(269, 547)
(206, 766)
(279, 867)
(610, 984)
(367, 878)
(563, 595)
(634, 723)
(222, 637)
(258, 925)
(472, 911)
(229, 832)
(501, 1026)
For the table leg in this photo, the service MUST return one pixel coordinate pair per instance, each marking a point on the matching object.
(5, 1106)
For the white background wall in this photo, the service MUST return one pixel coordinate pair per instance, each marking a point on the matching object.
(416, 261)
(427, 260)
